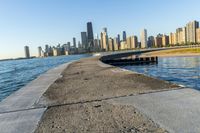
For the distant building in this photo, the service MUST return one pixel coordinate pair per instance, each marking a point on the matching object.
(158, 40)
(165, 40)
(124, 36)
(110, 44)
(191, 31)
(118, 39)
(27, 52)
(151, 41)
(122, 45)
(134, 42)
(143, 38)
(84, 40)
(39, 51)
(128, 42)
(198, 35)
(104, 40)
(116, 44)
(74, 42)
(56, 52)
(90, 35)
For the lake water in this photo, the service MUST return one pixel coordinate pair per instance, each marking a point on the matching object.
(15, 74)
(180, 70)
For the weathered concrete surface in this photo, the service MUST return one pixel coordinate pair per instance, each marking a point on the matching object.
(178, 111)
(28, 96)
(77, 101)
(20, 112)
(20, 121)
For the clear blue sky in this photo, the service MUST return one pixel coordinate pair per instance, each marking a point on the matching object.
(39, 22)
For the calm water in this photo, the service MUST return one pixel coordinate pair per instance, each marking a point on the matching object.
(180, 70)
(16, 74)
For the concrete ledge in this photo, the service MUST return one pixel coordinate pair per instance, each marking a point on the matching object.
(19, 112)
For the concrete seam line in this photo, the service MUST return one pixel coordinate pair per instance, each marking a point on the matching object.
(108, 98)
(20, 110)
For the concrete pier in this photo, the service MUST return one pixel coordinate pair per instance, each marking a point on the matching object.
(20, 112)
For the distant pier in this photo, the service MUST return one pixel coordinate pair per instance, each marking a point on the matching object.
(131, 60)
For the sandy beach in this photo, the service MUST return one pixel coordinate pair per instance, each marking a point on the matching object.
(78, 102)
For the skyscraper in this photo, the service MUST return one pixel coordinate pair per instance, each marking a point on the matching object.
(74, 42)
(39, 51)
(84, 40)
(143, 38)
(191, 31)
(110, 44)
(151, 41)
(27, 52)
(165, 40)
(134, 42)
(198, 35)
(90, 35)
(116, 45)
(124, 36)
(104, 40)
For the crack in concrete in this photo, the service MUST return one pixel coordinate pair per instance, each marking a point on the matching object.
(89, 101)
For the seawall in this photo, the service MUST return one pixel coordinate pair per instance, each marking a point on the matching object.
(20, 112)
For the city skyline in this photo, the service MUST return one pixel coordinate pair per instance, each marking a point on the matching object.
(17, 30)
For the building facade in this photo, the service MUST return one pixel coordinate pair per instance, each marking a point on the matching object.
(84, 40)
(90, 35)
(191, 31)
(143, 38)
(27, 52)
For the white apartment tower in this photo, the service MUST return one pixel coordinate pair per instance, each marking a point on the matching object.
(143, 38)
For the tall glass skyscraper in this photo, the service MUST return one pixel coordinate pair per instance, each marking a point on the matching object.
(124, 35)
(90, 35)
(84, 40)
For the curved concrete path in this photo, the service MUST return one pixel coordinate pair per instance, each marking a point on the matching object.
(19, 112)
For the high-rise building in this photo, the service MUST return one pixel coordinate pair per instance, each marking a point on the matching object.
(84, 40)
(39, 51)
(151, 41)
(198, 35)
(27, 52)
(96, 43)
(183, 36)
(143, 38)
(191, 31)
(124, 36)
(178, 35)
(118, 39)
(158, 40)
(74, 42)
(171, 38)
(165, 40)
(90, 35)
(110, 44)
(128, 42)
(116, 45)
(104, 40)
(134, 42)
(79, 44)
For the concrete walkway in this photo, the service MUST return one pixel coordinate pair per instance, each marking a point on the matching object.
(20, 113)
(177, 111)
